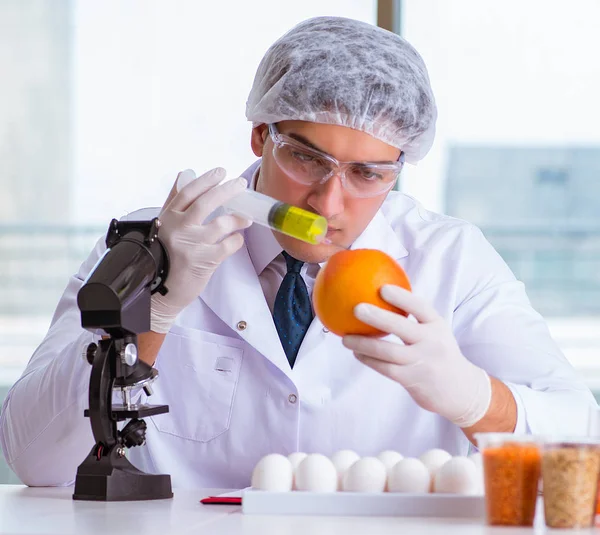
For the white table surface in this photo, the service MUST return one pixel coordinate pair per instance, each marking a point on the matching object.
(52, 510)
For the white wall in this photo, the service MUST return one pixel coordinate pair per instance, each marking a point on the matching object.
(161, 86)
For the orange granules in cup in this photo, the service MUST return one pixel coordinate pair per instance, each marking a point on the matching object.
(512, 472)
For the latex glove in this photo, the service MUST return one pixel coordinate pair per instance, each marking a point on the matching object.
(195, 248)
(430, 365)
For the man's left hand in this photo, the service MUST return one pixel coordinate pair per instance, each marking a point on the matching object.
(429, 365)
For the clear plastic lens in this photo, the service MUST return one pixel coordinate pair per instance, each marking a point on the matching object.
(308, 166)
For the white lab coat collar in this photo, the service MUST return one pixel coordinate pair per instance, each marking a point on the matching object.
(380, 235)
(238, 276)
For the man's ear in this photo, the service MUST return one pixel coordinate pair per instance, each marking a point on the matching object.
(258, 138)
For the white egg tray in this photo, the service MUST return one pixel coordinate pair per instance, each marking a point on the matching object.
(259, 502)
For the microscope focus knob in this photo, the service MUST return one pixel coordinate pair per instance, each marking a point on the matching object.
(129, 355)
(90, 352)
(134, 433)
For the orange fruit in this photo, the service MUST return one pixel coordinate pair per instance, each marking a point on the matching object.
(350, 278)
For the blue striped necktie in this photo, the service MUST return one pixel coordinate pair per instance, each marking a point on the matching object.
(292, 312)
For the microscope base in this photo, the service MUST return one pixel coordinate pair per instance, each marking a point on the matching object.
(112, 478)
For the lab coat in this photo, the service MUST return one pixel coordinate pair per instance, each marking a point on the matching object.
(234, 398)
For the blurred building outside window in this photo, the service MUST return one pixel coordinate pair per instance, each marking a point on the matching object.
(104, 102)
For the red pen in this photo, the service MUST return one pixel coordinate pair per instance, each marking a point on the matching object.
(222, 500)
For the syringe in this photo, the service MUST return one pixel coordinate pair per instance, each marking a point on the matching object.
(264, 210)
(279, 216)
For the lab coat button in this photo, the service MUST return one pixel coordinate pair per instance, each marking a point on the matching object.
(241, 325)
(325, 330)
(292, 398)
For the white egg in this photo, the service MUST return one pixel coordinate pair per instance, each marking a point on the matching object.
(457, 476)
(316, 473)
(389, 458)
(409, 475)
(365, 475)
(342, 460)
(273, 473)
(296, 458)
(478, 460)
(434, 459)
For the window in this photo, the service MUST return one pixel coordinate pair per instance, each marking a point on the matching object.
(517, 150)
(102, 104)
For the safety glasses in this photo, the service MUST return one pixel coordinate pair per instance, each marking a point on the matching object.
(309, 166)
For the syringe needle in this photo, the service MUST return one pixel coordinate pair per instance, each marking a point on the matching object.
(327, 241)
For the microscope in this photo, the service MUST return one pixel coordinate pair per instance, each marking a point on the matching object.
(116, 299)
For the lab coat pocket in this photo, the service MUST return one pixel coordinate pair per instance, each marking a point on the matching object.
(198, 377)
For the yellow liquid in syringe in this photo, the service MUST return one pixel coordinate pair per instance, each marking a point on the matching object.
(298, 223)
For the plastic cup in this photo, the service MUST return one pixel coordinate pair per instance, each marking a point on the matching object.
(594, 422)
(570, 470)
(511, 468)
(594, 431)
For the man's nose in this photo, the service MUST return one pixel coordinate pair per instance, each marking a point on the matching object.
(328, 198)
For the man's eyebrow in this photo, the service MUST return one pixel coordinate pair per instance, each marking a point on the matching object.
(305, 141)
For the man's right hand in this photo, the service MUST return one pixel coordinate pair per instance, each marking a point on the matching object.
(195, 249)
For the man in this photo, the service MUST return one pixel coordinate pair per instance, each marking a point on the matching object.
(337, 106)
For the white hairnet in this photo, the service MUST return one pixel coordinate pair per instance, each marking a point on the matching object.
(341, 71)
